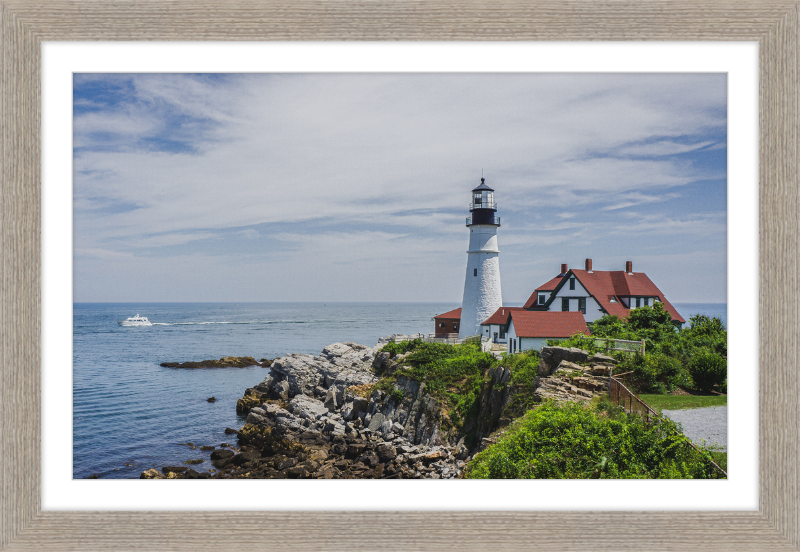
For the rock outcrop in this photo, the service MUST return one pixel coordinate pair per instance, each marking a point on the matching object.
(310, 418)
(224, 362)
(577, 376)
(324, 416)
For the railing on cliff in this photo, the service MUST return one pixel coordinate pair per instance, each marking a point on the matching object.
(623, 397)
(624, 345)
(453, 339)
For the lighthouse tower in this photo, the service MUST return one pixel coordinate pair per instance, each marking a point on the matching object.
(482, 284)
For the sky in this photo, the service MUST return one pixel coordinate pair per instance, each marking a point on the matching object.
(355, 187)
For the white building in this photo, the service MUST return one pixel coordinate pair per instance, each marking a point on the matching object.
(531, 329)
(495, 327)
(482, 295)
(595, 293)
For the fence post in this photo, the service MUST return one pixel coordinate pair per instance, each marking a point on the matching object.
(642, 347)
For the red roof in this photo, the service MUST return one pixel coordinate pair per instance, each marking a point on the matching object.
(500, 316)
(452, 315)
(607, 284)
(551, 324)
(549, 286)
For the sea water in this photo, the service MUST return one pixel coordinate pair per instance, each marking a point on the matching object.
(130, 414)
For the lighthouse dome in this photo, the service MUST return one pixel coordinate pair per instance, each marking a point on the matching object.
(483, 187)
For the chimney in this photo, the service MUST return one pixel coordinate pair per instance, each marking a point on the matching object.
(588, 265)
(629, 267)
(563, 269)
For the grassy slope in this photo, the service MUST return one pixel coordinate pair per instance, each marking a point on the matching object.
(682, 402)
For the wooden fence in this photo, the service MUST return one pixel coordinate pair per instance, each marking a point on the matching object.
(623, 397)
(453, 339)
(608, 344)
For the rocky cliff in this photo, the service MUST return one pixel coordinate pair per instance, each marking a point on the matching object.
(340, 415)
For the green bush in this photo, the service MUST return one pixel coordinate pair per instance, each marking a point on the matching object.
(571, 441)
(452, 374)
(578, 340)
(524, 367)
(400, 348)
(652, 373)
(707, 370)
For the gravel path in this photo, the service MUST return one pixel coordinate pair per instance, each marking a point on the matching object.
(710, 424)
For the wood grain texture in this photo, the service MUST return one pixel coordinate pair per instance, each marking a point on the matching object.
(779, 244)
(404, 20)
(23, 526)
(20, 265)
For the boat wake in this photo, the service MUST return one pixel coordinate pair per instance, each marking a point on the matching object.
(262, 322)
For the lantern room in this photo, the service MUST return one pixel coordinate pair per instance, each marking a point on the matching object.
(483, 207)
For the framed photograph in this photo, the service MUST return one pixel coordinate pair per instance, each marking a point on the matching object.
(456, 517)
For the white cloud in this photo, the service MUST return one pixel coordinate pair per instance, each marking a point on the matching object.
(369, 161)
(662, 147)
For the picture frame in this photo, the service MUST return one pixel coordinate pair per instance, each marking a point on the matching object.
(26, 23)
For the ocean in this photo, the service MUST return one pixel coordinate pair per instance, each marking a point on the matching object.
(130, 414)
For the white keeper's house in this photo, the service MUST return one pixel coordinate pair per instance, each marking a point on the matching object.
(595, 293)
(531, 329)
(585, 294)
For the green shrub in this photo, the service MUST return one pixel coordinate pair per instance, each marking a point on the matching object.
(524, 367)
(452, 374)
(400, 348)
(397, 395)
(570, 441)
(578, 340)
(707, 370)
(652, 373)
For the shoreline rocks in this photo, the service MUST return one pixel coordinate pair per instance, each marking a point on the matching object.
(323, 417)
(224, 362)
(308, 419)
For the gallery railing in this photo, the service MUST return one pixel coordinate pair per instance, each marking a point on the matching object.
(483, 205)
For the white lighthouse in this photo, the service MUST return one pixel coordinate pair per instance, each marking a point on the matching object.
(482, 284)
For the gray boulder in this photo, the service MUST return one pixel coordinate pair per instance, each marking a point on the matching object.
(334, 397)
(551, 357)
(341, 364)
(307, 408)
(376, 421)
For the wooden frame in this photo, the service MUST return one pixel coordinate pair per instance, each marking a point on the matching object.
(23, 526)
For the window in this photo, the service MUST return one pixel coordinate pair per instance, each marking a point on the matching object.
(455, 326)
(582, 304)
(542, 299)
(572, 283)
(474, 271)
(502, 332)
(564, 304)
(441, 324)
(638, 302)
(646, 301)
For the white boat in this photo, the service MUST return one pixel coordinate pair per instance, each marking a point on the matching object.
(135, 321)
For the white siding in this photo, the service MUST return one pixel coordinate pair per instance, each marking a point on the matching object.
(482, 295)
(528, 343)
(525, 343)
(593, 311)
(489, 330)
(510, 335)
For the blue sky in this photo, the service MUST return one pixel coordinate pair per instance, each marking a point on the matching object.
(354, 187)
